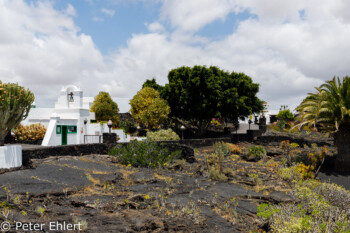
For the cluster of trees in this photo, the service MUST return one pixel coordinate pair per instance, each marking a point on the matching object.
(197, 94)
(193, 96)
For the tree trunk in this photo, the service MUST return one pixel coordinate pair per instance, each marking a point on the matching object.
(202, 129)
(2, 138)
(342, 141)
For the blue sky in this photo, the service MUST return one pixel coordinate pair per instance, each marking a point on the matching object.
(111, 31)
(112, 23)
(288, 47)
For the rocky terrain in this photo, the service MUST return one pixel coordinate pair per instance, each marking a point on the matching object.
(103, 196)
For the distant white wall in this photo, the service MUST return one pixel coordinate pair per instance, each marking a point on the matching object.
(98, 129)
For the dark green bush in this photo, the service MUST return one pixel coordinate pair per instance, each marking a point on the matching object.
(143, 154)
(127, 126)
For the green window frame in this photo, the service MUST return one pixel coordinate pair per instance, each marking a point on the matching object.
(58, 129)
(71, 129)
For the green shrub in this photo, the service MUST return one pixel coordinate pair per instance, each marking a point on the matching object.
(127, 126)
(286, 115)
(317, 209)
(215, 174)
(257, 151)
(294, 145)
(281, 124)
(290, 174)
(222, 149)
(143, 154)
(163, 135)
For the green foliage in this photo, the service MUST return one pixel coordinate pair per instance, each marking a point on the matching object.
(257, 151)
(308, 160)
(105, 108)
(15, 102)
(321, 207)
(222, 149)
(153, 84)
(266, 211)
(127, 126)
(214, 162)
(328, 108)
(143, 154)
(148, 108)
(30, 132)
(163, 135)
(215, 174)
(197, 94)
(294, 145)
(290, 174)
(286, 115)
(281, 124)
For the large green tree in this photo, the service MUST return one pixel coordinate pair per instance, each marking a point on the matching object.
(153, 84)
(15, 102)
(105, 108)
(197, 94)
(148, 108)
(329, 109)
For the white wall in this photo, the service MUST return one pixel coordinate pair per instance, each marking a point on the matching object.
(98, 129)
(53, 139)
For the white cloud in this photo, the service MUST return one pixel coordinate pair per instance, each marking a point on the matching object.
(43, 51)
(155, 27)
(192, 15)
(287, 54)
(70, 10)
(97, 19)
(108, 12)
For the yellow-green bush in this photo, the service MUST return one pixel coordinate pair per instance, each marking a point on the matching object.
(290, 174)
(30, 132)
(315, 211)
(163, 135)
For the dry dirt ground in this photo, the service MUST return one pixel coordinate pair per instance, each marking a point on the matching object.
(99, 195)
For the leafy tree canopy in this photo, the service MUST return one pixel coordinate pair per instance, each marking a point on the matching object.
(148, 108)
(153, 84)
(285, 114)
(105, 108)
(197, 94)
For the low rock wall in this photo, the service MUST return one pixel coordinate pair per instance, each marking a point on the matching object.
(300, 141)
(201, 142)
(96, 148)
(72, 150)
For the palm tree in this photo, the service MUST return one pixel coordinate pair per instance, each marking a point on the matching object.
(329, 109)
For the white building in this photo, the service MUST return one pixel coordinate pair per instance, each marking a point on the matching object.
(69, 122)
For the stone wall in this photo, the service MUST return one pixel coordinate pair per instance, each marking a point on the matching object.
(199, 142)
(72, 150)
(97, 148)
(300, 141)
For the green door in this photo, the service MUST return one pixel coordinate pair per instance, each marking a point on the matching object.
(64, 135)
